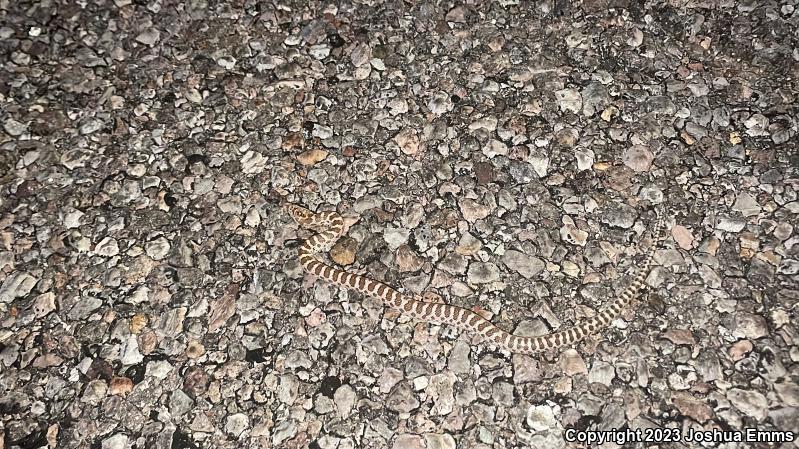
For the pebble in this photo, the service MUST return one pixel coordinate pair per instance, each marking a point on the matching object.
(572, 363)
(694, 408)
(343, 252)
(440, 103)
(541, 418)
(601, 373)
(17, 285)
(395, 237)
(439, 441)
(569, 100)
(408, 441)
(157, 249)
(116, 441)
(572, 235)
(408, 141)
(402, 398)
(746, 205)
(130, 354)
(236, 424)
(682, 236)
(619, 215)
(312, 157)
(344, 398)
(150, 36)
(740, 349)
(585, 158)
(638, 157)
(495, 148)
(527, 266)
(749, 402)
(482, 273)
(749, 326)
(253, 163)
(473, 211)
(107, 247)
(14, 127)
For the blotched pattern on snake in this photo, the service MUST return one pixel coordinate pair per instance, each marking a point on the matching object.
(329, 226)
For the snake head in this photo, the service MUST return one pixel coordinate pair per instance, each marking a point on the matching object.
(300, 214)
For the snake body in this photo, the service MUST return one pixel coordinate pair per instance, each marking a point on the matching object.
(329, 226)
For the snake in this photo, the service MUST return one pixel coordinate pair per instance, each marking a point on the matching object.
(328, 227)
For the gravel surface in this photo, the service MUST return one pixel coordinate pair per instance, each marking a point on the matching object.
(502, 155)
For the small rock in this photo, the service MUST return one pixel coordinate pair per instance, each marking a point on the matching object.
(107, 247)
(396, 237)
(757, 125)
(746, 205)
(121, 386)
(72, 219)
(749, 402)
(14, 128)
(572, 363)
(158, 248)
(619, 215)
(473, 211)
(527, 266)
(570, 234)
(95, 392)
(90, 126)
(408, 441)
(494, 148)
(236, 423)
(691, 407)
(227, 62)
(468, 245)
(788, 392)
(458, 361)
(253, 163)
(46, 361)
(407, 260)
(149, 36)
(43, 304)
(117, 441)
(130, 351)
(322, 131)
(456, 15)
(344, 398)
(485, 123)
(84, 307)
(343, 252)
(312, 157)
(680, 336)
(585, 158)
(502, 394)
(361, 55)
(408, 141)
(541, 418)
(439, 441)
(682, 236)
(602, 373)
(180, 403)
(402, 398)
(739, 350)
(569, 100)
(638, 157)
(17, 285)
(440, 103)
(750, 326)
(482, 273)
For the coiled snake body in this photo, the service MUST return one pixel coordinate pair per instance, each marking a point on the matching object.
(329, 226)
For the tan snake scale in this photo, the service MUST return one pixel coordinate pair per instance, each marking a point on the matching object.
(329, 226)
